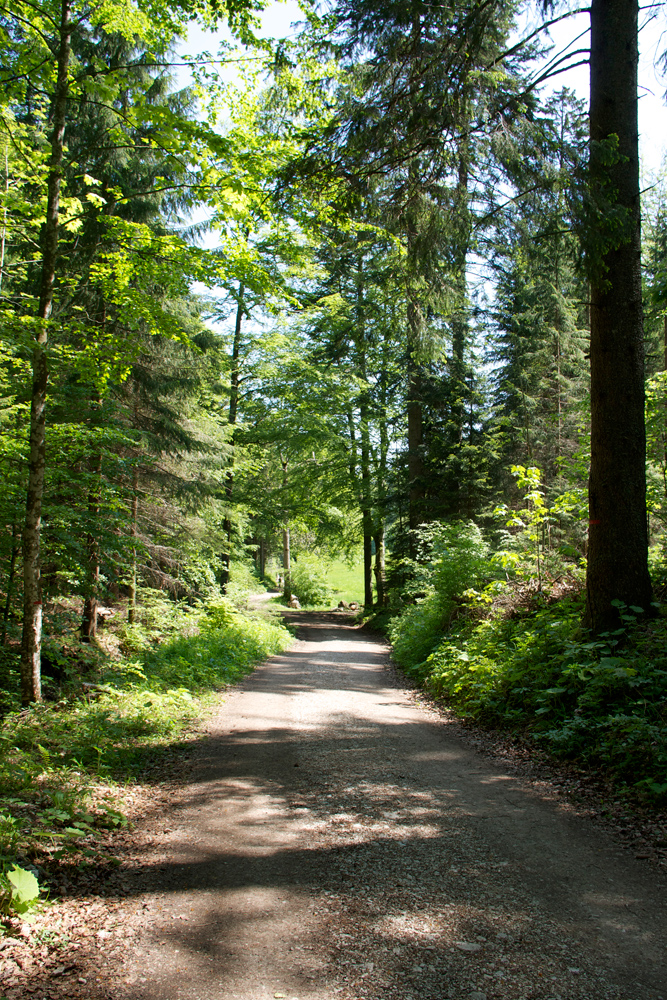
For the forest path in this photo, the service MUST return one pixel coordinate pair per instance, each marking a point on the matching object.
(337, 839)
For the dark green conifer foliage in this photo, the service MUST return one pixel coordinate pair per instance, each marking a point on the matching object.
(540, 313)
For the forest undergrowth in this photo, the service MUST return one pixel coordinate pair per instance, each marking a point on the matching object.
(515, 656)
(112, 711)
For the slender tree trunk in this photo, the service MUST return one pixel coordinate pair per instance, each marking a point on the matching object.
(416, 489)
(368, 563)
(379, 568)
(364, 433)
(366, 506)
(233, 410)
(664, 368)
(134, 515)
(381, 472)
(89, 618)
(287, 555)
(416, 483)
(31, 645)
(10, 582)
(618, 536)
(4, 218)
(287, 564)
(460, 332)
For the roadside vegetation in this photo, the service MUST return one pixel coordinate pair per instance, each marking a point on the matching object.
(336, 293)
(112, 714)
(504, 649)
(321, 582)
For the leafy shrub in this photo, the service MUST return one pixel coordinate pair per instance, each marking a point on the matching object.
(10, 833)
(157, 619)
(536, 547)
(600, 701)
(309, 582)
(454, 559)
(52, 753)
(243, 581)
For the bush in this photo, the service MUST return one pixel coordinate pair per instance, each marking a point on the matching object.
(52, 755)
(309, 582)
(601, 701)
(455, 558)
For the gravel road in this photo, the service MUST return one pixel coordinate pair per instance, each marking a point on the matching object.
(339, 840)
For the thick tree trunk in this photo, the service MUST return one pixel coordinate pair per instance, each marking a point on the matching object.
(233, 410)
(31, 645)
(618, 537)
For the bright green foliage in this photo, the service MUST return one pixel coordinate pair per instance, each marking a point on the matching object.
(24, 889)
(601, 702)
(535, 553)
(134, 708)
(455, 560)
(19, 891)
(309, 582)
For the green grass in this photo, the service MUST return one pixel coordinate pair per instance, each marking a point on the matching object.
(63, 762)
(344, 577)
(346, 580)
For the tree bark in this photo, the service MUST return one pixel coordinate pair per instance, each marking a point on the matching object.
(368, 565)
(379, 568)
(366, 506)
(233, 410)
(89, 617)
(10, 582)
(416, 491)
(287, 565)
(134, 512)
(460, 327)
(4, 218)
(287, 556)
(618, 536)
(31, 644)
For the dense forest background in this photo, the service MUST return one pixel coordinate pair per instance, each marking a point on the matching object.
(336, 292)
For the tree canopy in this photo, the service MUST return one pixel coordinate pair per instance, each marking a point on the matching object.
(339, 297)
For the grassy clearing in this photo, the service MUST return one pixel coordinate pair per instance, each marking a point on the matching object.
(63, 763)
(320, 585)
(346, 579)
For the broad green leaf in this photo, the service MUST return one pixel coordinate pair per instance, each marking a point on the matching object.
(26, 886)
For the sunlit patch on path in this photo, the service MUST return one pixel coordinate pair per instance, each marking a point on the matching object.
(336, 840)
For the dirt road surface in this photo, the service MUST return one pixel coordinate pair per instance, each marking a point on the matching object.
(338, 840)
